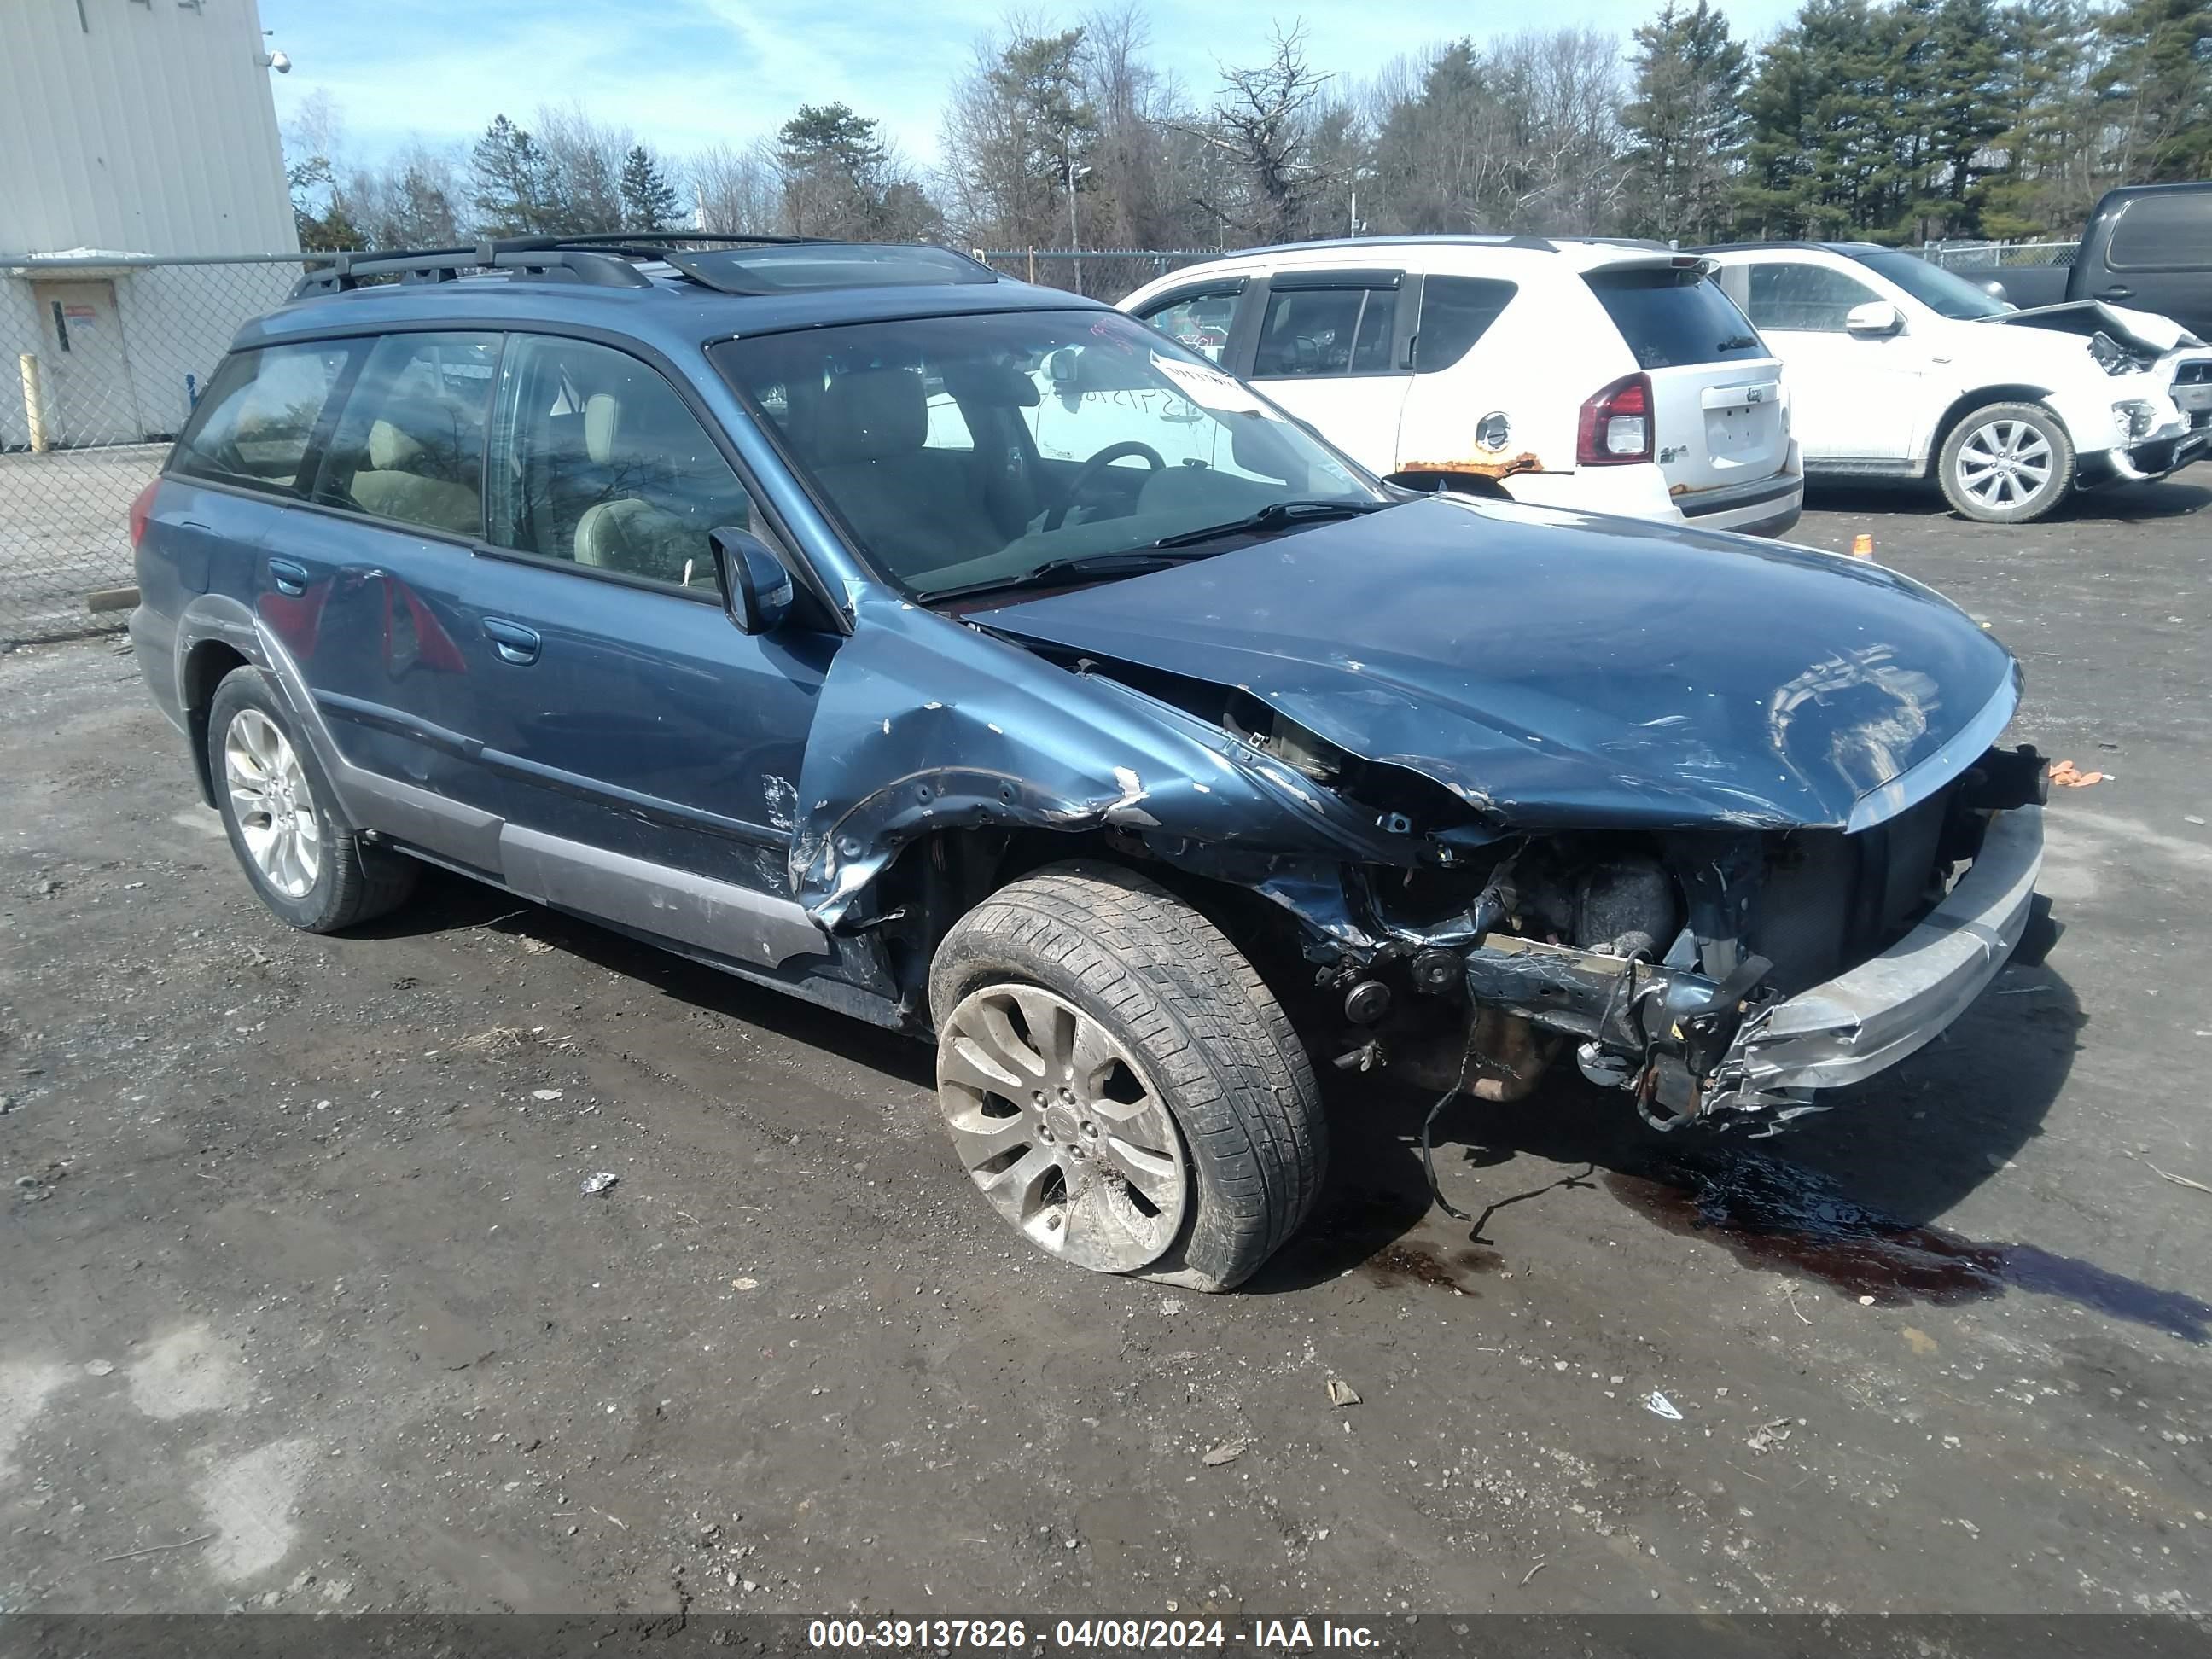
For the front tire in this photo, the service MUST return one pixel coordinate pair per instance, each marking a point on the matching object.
(310, 869)
(2006, 464)
(1120, 1084)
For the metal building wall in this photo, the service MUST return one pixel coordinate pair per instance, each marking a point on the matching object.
(141, 126)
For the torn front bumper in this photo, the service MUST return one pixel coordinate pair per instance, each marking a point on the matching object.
(1869, 1019)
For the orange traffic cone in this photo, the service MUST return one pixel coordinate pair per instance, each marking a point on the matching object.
(1863, 546)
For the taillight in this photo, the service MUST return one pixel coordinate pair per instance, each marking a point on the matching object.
(140, 506)
(1616, 425)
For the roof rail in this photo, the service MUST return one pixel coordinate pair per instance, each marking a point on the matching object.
(520, 256)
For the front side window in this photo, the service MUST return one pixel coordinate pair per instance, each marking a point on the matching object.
(1326, 331)
(1804, 299)
(410, 445)
(597, 462)
(1940, 290)
(1091, 436)
(253, 425)
(1199, 322)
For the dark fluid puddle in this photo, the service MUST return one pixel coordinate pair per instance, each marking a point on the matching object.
(1782, 1218)
(1402, 1263)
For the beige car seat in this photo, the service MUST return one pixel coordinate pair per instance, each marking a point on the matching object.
(630, 533)
(416, 470)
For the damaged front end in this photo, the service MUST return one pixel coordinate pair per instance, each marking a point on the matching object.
(1722, 866)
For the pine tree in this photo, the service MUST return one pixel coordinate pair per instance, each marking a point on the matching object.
(507, 182)
(649, 201)
(831, 161)
(1685, 121)
(2045, 174)
(2156, 88)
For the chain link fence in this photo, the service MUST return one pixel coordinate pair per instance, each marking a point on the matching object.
(1984, 256)
(101, 358)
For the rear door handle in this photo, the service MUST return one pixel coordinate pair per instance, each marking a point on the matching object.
(514, 642)
(2118, 291)
(291, 578)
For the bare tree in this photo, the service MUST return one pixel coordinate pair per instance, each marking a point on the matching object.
(737, 191)
(1018, 135)
(1263, 120)
(583, 165)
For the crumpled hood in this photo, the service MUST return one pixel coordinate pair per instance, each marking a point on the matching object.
(2146, 330)
(1564, 670)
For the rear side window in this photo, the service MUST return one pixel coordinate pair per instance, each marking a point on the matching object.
(1670, 317)
(1326, 331)
(259, 413)
(1455, 312)
(2164, 233)
(410, 445)
(596, 461)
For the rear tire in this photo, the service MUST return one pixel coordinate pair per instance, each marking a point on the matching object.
(310, 869)
(1119, 1081)
(2006, 464)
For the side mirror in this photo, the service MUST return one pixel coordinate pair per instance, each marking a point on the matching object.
(1874, 317)
(1065, 365)
(1996, 290)
(755, 585)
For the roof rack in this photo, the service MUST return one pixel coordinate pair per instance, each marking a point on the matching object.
(597, 258)
(611, 259)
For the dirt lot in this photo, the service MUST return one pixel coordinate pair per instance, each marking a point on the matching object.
(298, 1282)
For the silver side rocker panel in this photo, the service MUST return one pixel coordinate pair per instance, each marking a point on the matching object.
(724, 918)
(1867, 1020)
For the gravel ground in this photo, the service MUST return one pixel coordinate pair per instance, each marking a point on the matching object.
(302, 1305)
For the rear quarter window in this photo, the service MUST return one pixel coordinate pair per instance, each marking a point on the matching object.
(1670, 317)
(1455, 312)
(2164, 233)
(259, 414)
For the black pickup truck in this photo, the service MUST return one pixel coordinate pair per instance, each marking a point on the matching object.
(2148, 247)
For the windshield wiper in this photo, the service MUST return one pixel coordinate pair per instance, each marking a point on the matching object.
(1276, 516)
(1138, 563)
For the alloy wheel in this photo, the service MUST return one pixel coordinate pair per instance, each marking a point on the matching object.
(1061, 1129)
(2004, 463)
(273, 807)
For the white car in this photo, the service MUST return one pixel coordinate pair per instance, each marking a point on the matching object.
(1898, 367)
(1603, 376)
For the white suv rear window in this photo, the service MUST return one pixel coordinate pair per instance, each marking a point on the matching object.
(1672, 317)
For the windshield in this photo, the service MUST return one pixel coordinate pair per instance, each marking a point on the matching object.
(1934, 287)
(963, 451)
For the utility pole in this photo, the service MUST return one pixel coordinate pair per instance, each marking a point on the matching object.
(1074, 243)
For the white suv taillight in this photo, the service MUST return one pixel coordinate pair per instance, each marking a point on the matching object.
(1615, 428)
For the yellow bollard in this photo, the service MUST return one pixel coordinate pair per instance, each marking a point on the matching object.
(1863, 546)
(35, 404)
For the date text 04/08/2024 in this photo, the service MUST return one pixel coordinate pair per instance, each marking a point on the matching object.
(1110, 1635)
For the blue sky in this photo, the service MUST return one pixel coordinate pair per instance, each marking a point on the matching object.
(688, 73)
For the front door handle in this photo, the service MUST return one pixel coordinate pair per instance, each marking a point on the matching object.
(2118, 291)
(291, 578)
(514, 642)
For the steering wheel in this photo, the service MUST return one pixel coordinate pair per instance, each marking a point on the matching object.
(1097, 464)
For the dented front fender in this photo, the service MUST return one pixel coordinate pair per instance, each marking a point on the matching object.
(925, 724)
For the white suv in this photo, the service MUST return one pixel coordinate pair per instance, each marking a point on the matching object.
(1603, 376)
(1898, 365)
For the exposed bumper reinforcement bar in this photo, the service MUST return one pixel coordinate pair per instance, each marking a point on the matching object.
(1869, 1019)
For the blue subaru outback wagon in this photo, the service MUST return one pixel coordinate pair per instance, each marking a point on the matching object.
(973, 660)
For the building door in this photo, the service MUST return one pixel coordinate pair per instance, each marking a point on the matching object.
(84, 365)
